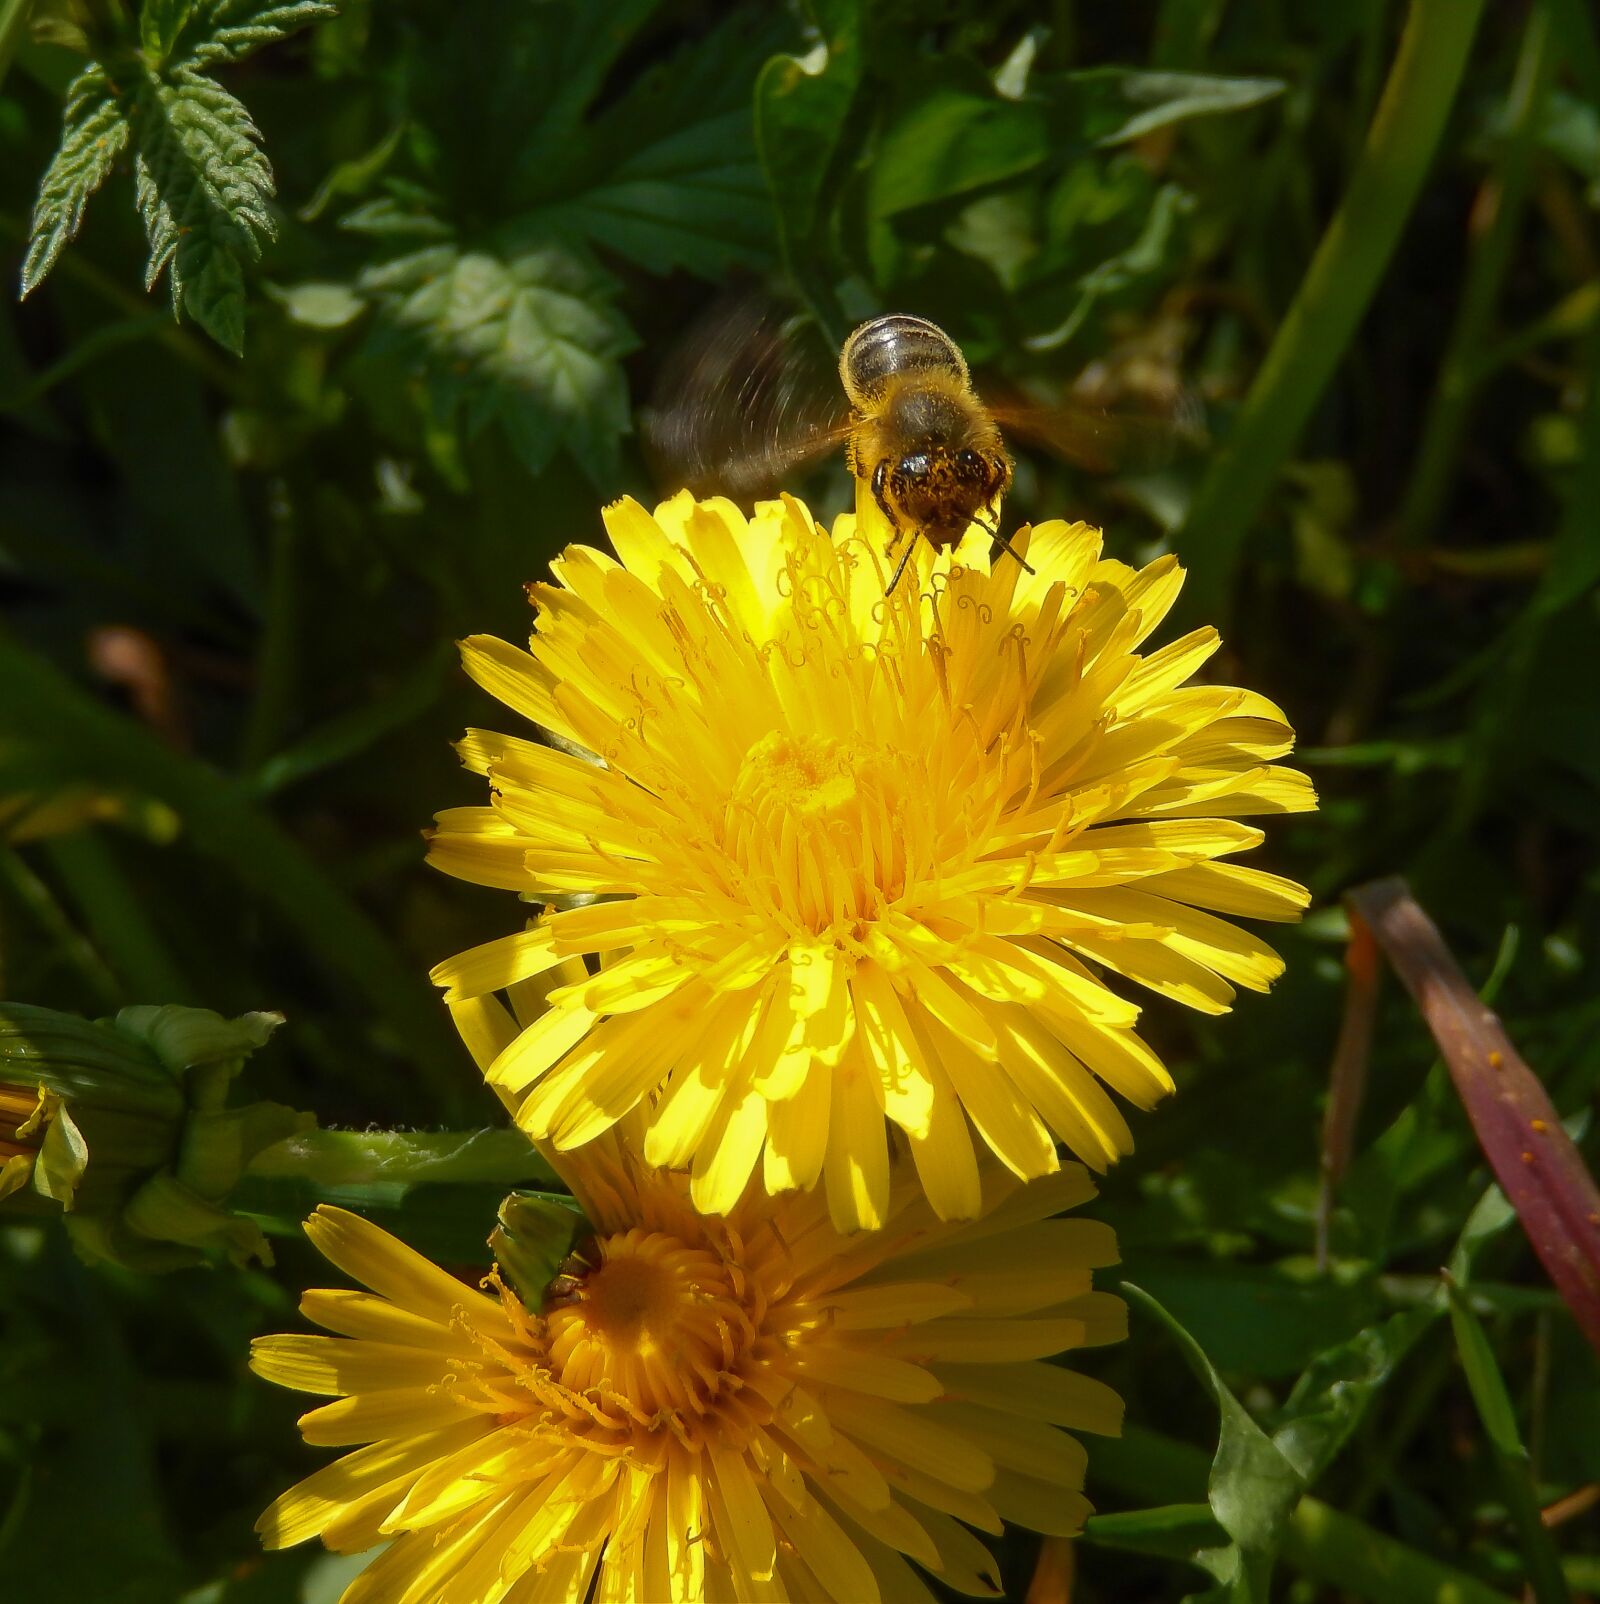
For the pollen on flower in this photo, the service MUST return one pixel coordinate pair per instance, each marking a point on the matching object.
(859, 873)
(819, 825)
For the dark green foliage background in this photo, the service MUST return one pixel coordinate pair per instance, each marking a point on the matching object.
(493, 221)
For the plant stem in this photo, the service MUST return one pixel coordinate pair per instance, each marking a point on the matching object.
(336, 1160)
(438, 1190)
(1333, 296)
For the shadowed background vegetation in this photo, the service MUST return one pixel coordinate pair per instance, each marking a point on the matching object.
(428, 263)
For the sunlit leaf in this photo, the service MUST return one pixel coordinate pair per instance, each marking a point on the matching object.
(529, 340)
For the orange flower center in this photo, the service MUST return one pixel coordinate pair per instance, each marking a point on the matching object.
(651, 1338)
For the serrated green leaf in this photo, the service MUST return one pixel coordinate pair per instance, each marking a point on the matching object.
(94, 132)
(202, 181)
(203, 187)
(223, 31)
(528, 340)
(574, 48)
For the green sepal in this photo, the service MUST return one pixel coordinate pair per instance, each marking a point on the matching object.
(535, 1235)
(135, 1146)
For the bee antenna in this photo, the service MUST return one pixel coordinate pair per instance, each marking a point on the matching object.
(1005, 545)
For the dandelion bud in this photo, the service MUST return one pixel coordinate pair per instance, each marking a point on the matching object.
(120, 1125)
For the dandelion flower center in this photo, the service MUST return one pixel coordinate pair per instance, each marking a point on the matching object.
(817, 823)
(659, 1323)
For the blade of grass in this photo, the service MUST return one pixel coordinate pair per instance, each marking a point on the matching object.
(347, 734)
(63, 937)
(1499, 1419)
(1532, 1156)
(1333, 296)
(1494, 228)
(117, 920)
(221, 822)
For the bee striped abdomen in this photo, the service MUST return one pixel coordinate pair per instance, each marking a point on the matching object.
(890, 346)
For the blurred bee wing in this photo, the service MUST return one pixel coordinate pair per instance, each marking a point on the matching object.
(748, 395)
(1101, 438)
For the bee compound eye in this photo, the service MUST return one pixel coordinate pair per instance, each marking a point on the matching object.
(969, 461)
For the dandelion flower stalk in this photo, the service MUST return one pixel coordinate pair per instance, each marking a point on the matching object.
(849, 864)
(749, 1407)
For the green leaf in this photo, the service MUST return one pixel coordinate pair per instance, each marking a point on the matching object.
(94, 132)
(528, 340)
(230, 30)
(1177, 1531)
(951, 141)
(1336, 1550)
(1252, 1487)
(667, 175)
(1116, 104)
(674, 181)
(1335, 1389)
(318, 304)
(203, 187)
(568, 54)
(203, 182)
(160, 24)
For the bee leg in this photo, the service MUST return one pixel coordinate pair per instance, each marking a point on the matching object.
(880, 480)
(900, 567)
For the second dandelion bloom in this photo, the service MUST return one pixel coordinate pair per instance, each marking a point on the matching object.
(704, 1408)
(846, 863)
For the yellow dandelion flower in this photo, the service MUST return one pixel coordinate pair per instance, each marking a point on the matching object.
(753, 1407)
(849, 863)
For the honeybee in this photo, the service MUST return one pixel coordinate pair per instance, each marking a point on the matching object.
(749, 404)
(920, 438)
